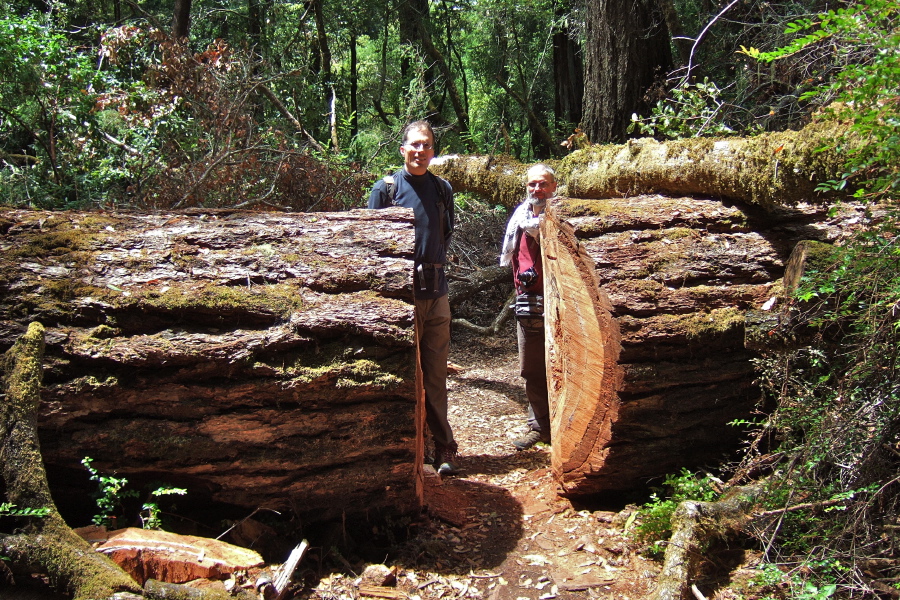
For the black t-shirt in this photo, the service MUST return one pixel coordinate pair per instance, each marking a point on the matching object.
(421, 193)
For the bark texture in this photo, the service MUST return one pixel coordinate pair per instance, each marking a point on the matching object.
(626, 48)
(69, 561)
(675, 279)
(695, 525)
(256, 359)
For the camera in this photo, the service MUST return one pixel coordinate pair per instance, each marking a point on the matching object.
(527, 278)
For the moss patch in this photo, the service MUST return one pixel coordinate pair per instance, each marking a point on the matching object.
(704, 325)
(279, 299)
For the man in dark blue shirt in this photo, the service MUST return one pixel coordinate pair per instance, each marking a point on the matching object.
(431, 199)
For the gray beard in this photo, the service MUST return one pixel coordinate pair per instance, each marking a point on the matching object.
(535, 201)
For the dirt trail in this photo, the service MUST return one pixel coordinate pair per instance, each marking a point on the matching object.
(499, 530)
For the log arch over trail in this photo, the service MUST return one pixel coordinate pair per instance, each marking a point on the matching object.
(648, 294)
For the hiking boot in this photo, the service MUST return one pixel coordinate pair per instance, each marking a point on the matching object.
(530, 439)
(444, 459)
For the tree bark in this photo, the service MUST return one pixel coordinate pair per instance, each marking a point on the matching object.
(694, 526)
(568, 73)
(264, 359)
(181, 21)
(626, 49)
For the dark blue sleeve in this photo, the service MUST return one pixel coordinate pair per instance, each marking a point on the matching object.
(451, 215)
(379, 196)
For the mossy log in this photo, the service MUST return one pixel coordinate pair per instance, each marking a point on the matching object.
(45, 543)
(769, 170)
(256, 359)
(695, 526)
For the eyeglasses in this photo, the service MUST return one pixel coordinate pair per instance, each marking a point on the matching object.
(419, 146)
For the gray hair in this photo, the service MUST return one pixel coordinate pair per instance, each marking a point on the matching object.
(540, 169)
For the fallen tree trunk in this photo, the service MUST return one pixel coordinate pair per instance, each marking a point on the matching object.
(648, 370)
(256, 359)
(695, 525)
(769, 170)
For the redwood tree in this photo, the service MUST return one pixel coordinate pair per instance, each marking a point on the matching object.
(626, 49)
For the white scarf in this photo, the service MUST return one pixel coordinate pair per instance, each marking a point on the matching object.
(522, 218)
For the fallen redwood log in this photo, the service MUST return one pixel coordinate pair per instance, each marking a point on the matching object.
(647, 295)
(768, 170)
(646, 300)
(256, 359)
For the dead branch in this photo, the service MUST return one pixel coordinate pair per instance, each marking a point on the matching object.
(493, 328)
(287, 114)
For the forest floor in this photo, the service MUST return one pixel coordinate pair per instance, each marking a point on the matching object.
(499, 530)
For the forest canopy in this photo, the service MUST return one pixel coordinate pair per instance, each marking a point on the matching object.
(298, 105)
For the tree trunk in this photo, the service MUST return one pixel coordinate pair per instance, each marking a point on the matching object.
(626, 50)
(769, 170)
(255, 25)
(322, 42)
(68, 560)
(354, 86)
(694, 526)
(568, 77)
(257, 359)
(646, 297)
(181, 22)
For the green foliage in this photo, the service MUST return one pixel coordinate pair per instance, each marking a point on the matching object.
(838, 415)
(111, 494)
(45, 112)
(8, 509)
(655, 517)
(691, 110)
(150, 512)
(866, 39)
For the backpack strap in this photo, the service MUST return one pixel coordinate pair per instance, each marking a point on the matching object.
(390, 185)
(443, 203)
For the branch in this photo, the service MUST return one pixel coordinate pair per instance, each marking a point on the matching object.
(493, 328)
(286, 113)
(796, 507)
(690, 64)
(533, 118)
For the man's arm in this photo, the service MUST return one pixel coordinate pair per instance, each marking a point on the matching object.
(378, 198)
(451, 215)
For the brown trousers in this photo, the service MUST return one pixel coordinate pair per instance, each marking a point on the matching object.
(533, 368)
(433, 333)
